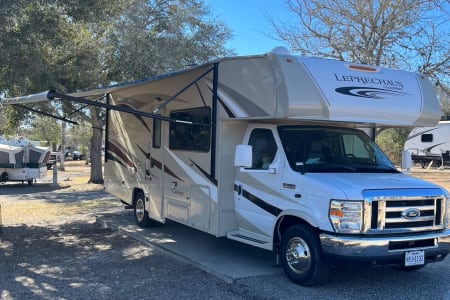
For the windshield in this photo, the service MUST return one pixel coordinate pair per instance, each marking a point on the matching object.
(323, 149)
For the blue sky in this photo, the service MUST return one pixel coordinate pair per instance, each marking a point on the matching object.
(250, 27)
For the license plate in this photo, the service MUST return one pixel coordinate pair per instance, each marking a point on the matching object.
(414, 258)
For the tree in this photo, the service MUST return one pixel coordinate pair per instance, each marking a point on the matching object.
(53, 45)
(45, 129)
(82, 44)
(394, 33)
(392, 141)
(80, 136)
(406, 34)
(157, 36)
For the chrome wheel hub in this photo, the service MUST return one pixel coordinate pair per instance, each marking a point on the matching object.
(140, 210)
(298, 255)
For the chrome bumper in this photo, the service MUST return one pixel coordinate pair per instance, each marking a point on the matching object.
(435, 245)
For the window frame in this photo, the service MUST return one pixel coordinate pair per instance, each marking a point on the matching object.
(182, 135)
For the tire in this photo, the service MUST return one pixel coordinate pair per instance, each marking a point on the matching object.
(140, 214)
(301, 256)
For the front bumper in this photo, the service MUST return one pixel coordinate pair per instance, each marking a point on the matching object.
(384, 250)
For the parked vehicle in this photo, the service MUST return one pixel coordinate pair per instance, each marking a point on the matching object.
(22, 161)
(76, 155)
(430, 144)
(264, 150)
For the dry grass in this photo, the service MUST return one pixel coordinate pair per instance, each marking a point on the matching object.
(75, 177)
(35, 212)
(439, 177)
(20, 206)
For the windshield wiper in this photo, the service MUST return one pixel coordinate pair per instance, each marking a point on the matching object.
(315, 168)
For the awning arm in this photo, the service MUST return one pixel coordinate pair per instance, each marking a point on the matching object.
(52, 95)
(182, 90)
(46, 114)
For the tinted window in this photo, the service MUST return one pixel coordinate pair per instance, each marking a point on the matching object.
(427, 137)
(189, 133)
(263, 148)
(156, 133)
(323, 149)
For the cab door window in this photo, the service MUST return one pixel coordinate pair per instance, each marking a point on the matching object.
(264, 148)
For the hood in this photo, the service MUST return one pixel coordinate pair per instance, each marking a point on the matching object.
(352, 184)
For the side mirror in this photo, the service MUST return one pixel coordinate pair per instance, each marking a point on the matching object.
(243, 156)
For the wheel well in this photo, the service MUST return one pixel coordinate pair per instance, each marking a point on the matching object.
(4, 177)
(283, 224)
(135, 192)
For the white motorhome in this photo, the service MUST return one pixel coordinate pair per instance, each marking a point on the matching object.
(264, 150)
(430, 144)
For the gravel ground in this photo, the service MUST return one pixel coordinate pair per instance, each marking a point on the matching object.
(51, 248)
(79, 260)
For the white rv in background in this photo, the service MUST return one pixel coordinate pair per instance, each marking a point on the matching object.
(430, 144)
(264, 150)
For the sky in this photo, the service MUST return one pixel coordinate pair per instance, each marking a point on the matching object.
(247, 20)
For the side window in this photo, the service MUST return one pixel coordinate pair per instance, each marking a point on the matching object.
(191, 137)
(156, 133)
(264, 148)
(427, 138)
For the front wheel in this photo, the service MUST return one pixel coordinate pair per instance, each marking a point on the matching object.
(301, 256)
(140, 214)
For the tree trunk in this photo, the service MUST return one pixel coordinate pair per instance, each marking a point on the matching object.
(96, 146)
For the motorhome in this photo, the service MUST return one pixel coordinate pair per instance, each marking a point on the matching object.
(429, 145)
(266, 150)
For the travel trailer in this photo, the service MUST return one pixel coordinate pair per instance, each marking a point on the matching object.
(430, 144)
(21, 160)
(265, 150)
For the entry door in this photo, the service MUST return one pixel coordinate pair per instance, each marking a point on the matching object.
(257, 189)
(154, 172)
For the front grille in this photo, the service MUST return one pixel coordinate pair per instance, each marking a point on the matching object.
(404, 210)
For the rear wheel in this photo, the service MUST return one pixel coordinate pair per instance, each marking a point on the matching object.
(140, 214)
(302, 257)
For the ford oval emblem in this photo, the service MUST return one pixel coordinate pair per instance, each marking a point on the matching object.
(411, 213)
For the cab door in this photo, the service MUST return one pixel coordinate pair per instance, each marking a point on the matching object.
(257, 188)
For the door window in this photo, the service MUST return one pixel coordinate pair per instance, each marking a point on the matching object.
(264, 148)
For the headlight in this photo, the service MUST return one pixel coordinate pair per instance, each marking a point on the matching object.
(346, 216)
